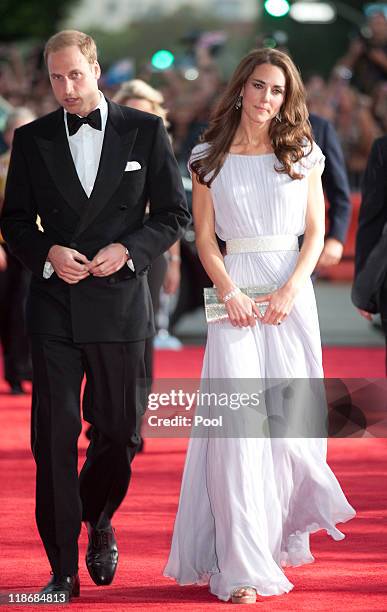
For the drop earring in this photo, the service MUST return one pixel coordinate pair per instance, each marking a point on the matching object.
(238, 103)
(278, 117)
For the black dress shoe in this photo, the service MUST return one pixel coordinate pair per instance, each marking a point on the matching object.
(63, 584)
(16, 388)
(102, 554)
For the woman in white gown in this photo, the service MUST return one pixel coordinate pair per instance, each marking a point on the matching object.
(248, 505)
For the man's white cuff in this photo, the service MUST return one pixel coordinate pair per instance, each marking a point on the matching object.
(129, 263)
(48, 270)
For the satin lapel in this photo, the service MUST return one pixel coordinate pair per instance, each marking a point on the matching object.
(117, 146)
(57, 156)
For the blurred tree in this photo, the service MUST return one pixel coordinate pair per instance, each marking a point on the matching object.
(21, 19)
(139, 40)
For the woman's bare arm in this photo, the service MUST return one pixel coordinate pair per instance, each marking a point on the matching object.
(281, 301)
(313, 242)
(240, 308)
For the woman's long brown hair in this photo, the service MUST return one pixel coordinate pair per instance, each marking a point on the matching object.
(289, 136)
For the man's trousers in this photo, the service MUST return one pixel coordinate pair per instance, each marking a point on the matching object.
(113, 402)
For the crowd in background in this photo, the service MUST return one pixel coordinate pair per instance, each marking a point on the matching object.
(354, 97)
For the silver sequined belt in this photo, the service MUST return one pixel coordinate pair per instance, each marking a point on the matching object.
(278, 242)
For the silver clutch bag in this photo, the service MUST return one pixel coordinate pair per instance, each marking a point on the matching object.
(216, 310)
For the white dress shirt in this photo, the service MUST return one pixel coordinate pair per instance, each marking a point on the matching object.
(86, 148)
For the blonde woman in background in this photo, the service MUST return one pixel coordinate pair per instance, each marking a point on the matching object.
(140, 95)
(165, 270)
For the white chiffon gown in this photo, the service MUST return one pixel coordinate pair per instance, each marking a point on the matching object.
(248, 505)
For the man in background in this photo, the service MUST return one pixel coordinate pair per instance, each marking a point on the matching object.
(336, 187)
(14, 281)
(369, 292)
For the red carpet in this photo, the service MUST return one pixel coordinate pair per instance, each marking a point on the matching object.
(346, 576)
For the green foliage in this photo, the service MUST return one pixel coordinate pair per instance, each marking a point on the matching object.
(38, 19)
(140, 40)
(314, 47)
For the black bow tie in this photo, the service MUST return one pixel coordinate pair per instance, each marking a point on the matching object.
(74, 122)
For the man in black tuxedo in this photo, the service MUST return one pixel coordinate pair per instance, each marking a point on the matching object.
(369, 291)
(336, 187)
(88, 170)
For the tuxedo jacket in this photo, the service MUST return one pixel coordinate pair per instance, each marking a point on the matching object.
(334, 178)
(371, 238)
(42, 180)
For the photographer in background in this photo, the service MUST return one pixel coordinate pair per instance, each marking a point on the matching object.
(366, 57)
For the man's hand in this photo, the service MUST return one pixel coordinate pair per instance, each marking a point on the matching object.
(70, 265)
(3, 259)
(365, 314)
(108, 260)
(331, 253)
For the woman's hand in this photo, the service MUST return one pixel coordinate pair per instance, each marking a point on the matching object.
(280, 304)
(242, 311)
(3, 259)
